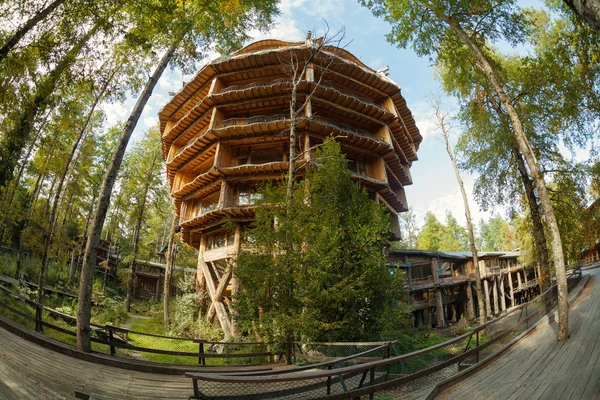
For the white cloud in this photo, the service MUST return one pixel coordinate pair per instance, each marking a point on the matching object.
(150, 121)
(116, 112)
(377, 63)
(452, 201)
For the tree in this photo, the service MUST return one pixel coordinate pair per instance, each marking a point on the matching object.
(169, 267)
(444, 128)
(13, 142)
(27, 26)
(328, 247)
(588, 10)
(409, 230)
(431, 234)
(435, 27)
(454, 237)
(144, 177)
(192, 27)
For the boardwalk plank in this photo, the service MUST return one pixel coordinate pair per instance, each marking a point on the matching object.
(539, 367)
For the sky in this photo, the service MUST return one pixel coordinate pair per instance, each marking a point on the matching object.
(434, 185)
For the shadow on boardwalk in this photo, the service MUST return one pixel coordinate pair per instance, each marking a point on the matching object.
(539, 367)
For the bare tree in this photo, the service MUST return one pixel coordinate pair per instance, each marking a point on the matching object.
(84, 302)
(169, 267)
(442, 124)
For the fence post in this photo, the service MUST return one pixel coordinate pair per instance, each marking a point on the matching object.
(201, 358)
(526, 319)
(38, 318)
(111, 339)
(387, 355)
(477, 346)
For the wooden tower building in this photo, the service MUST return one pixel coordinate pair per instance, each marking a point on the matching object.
(228, 130)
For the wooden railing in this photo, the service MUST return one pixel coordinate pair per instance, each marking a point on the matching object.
(424, 367)
(126, 343)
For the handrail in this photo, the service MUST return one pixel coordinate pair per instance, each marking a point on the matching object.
(318, 365)
(381, 382)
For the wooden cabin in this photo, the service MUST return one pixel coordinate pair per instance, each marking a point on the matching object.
(227, 130)
(106, 255)
(591, 234)
(442, 284)
(150, 280)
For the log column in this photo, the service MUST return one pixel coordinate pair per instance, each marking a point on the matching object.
(486, 289)
(439, 302)
(512, 290)
(502, 294)
(470, 309)
(495, 294)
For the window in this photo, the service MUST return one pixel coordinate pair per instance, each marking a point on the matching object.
(230, 239)
(209, 242)
(248, 195)
(220, 240)
(210, 203)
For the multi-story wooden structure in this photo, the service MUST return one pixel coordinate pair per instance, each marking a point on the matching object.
(228, 130)
(442, 284)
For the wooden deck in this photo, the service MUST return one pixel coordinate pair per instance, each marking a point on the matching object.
(29, 371)
(539, 367)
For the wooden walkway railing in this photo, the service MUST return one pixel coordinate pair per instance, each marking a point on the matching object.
(397, 375)
(131, 344)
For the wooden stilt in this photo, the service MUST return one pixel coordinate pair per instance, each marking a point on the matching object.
(470, 307)
(512, 291)
(486, 289)
(495, 295)
(502, 294)
(439, 302)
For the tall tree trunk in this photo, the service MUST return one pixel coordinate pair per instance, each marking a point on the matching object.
(539, 236)
(83, 239)
(536, 173)
(89, 261)
(444, 128)
(8, 201)
(169, 260)
(136, 235)
(15, 140)
(588, 10)
(52, 220)
(32, 22)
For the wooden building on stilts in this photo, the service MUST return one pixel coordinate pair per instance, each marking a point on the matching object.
(442, 284)
(227, 131)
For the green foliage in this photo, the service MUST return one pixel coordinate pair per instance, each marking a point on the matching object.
(436, 236)
(409, 231)
(317, 269)
(184, 320)
(496, 235)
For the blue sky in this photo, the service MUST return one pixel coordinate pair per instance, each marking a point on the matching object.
(434, 188)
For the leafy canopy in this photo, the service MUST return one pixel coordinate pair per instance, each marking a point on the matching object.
(318, 269)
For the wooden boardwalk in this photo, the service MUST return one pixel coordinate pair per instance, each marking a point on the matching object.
(29, 371)
(539, 367)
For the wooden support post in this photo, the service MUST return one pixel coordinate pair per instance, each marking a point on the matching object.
(419, 318)
(486, 294)
(525, 277)
(453, 310)
(111, 339)
(512, 290)
(213, 291)
(470, 307)
(495, 295)
(235, 285)
(502, 294)
(519, 280)
(201, 358)
(439, 302)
